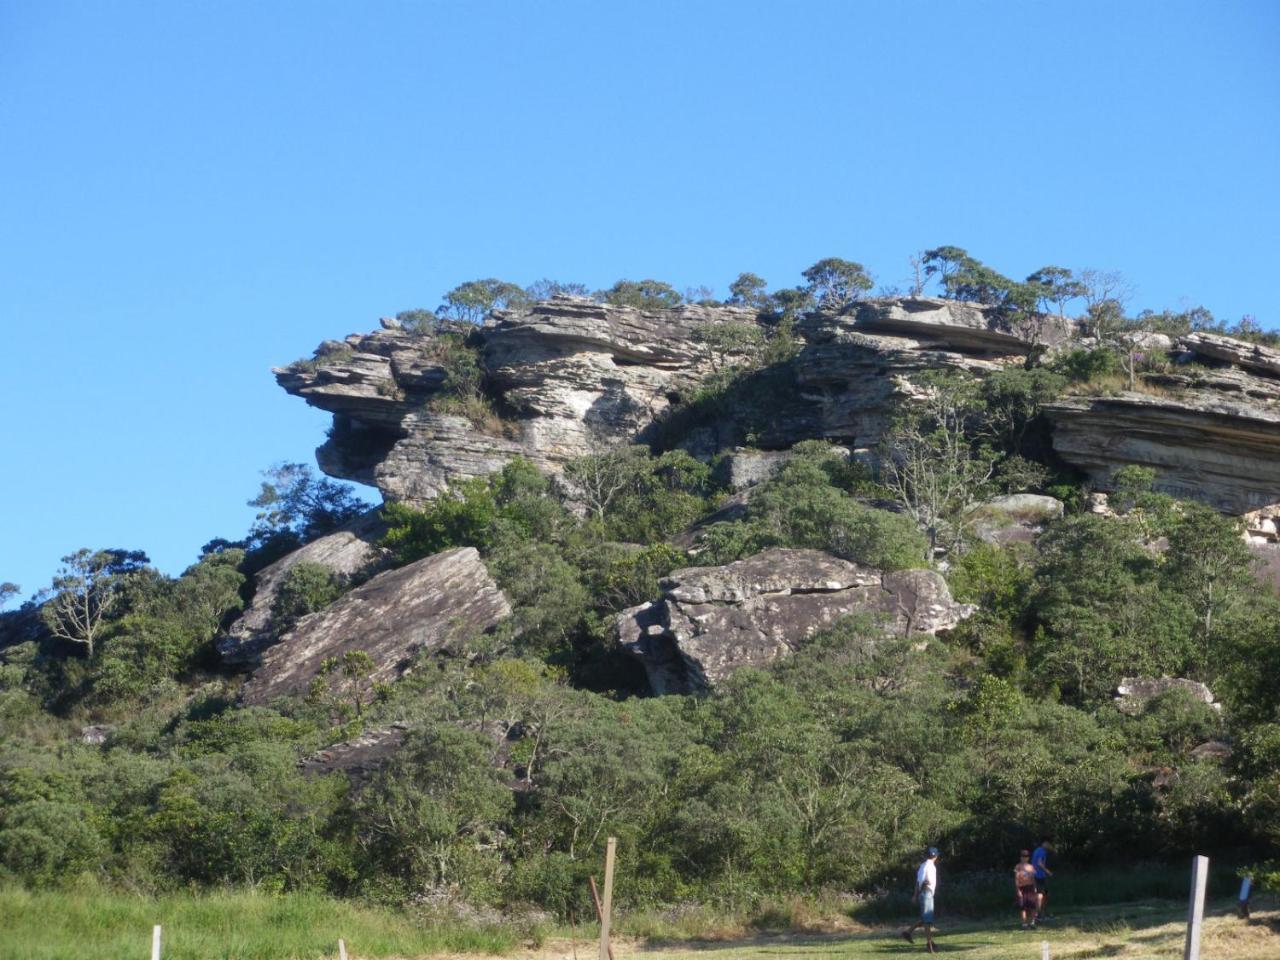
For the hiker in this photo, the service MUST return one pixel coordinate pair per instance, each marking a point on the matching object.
(926, 887)
(1246, 891)
(1025, 896)
(1040, 861)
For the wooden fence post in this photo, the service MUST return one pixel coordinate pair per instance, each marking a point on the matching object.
(155, 942)
(607, 907)
(342, 949)
(1195, 912)
(1044, 950)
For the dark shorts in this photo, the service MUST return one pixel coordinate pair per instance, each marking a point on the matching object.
(1028, 899)
(1042, 884)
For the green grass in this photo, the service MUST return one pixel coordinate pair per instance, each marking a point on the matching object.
(219, 926)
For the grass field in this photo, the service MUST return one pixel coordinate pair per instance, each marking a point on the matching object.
(243, 926)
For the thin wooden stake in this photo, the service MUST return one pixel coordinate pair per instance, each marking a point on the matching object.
(155, 942)
(595, 898)
(1195, 912)
(1044, 950)
(607, 907)
(342, 950)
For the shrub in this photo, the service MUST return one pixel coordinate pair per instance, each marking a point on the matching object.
(305, 588)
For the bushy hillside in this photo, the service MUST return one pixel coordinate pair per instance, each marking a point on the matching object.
(487, 763)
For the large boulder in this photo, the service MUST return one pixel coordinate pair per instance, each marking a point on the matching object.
(712, 620)
(1134, 693)
(424, 606)
(351, 552)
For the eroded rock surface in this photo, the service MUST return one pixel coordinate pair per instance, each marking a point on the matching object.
(1220, 449)
(351, 552)
(423, 606)
(712, 620)
(569, 376)
(856, 366)
(1134, 693)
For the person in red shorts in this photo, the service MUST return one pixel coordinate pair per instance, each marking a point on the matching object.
(1024, 887)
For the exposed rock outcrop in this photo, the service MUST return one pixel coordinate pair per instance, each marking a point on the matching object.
(855, 367)
(351, 552)
(423, 606)
(570, 375)
(1134, 693)
(1241, 353)
(713, 620)
(1220, 449)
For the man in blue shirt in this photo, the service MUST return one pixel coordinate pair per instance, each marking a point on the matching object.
(1040, 860)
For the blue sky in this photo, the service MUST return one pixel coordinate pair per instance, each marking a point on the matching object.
(192, 193)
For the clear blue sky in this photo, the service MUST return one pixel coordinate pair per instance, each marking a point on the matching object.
(192, 193)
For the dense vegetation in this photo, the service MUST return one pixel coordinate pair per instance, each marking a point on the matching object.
(825, 772)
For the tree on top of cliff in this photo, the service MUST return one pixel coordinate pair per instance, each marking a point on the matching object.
(836, 283)
(472, 301)
(642, 294)
(749, 290)
(1056, 285)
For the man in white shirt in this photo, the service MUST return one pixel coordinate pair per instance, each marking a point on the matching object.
(926, 887)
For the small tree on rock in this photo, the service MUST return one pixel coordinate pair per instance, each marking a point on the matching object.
(836, 284)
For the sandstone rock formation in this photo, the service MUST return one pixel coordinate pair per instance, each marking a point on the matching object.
(1219, 449)
(1134, 693)
(712, 620)
(856, 366)
(569, 375)
(351, 552)
(423, 606)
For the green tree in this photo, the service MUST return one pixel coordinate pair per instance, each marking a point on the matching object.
(1055, 285)
(749, 290)
(8, 591)
(472, 301)
(642, 294)
(1101, 609)
(86, 591)
(295, 504)
(433, 818)
(305, 588)
(545, 289)
(835, 284)
(930, 463)
(1210, 567)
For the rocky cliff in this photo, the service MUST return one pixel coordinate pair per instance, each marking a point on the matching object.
(570, 375)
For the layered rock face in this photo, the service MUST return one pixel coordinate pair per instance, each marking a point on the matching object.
(1221, 450)
(423, 606)
(855, 367)
(351, 552)
(712, 620)
(569, 376)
